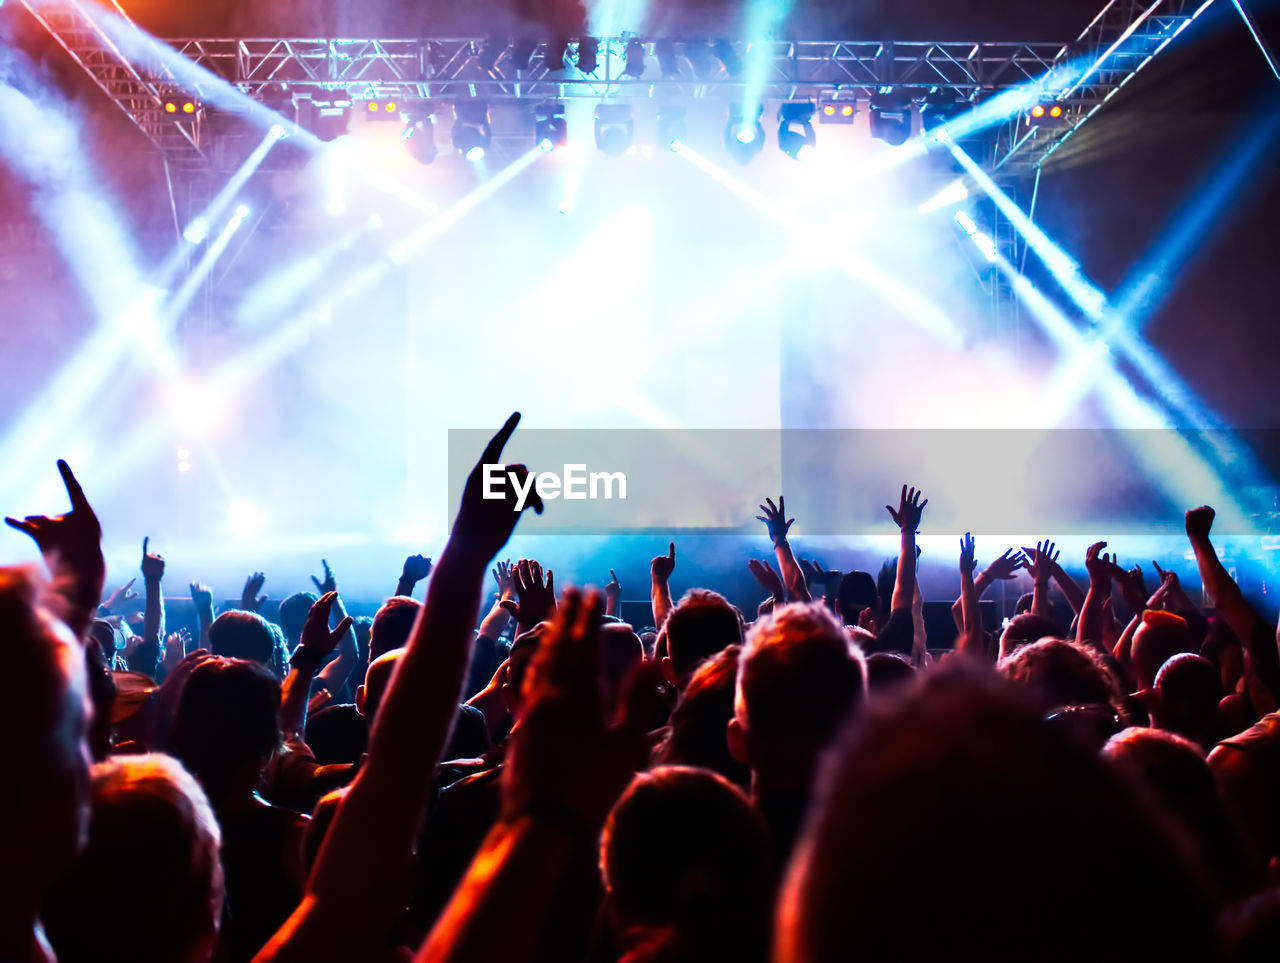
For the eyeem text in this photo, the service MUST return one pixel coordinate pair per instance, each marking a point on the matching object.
(575, 483)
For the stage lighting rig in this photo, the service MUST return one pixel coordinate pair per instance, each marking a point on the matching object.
(381, 108)
(940, 106)
(488, 53)
(588, 55)
(891, 116)
(672, 130)
(743, 136)
(549, 129)
(522, 53)
(635, 57)
(614, 128)
(471, 132)
(554, 60)
(700, 60)
(796, 138)
(837, 108)
(728, 57)
(1047, 113)
(324, 113)
(181, 107)
(420, 139)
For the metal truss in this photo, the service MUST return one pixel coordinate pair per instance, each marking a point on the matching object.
(140, 95)
(1121, 40)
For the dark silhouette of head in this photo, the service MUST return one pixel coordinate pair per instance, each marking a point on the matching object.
(148, 886)
(621, 652)
(1188, 689)
(392, 625)
(963, 785)
(376, 680)
(227, 726)
(243, 635)
(1026, 628)
(293, 615)
(799, 677)
(685, 867)
(888, 672)
(1160, 637)
(856, 591)
(701, 624)
(697, 736)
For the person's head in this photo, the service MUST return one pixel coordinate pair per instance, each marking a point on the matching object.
(392, 625)
(45, 718)
(1188, 689)
(963, 785)
(1174, 771)
(684, 860)
(227, 725)
(888, 672)
(799, 677)
(697, 736)
(621, 651)
(1069, 683)
(1025, 628)
(856, 591)
(523, 649)
(1159, 637)
(243, 635)
(148, 886)
(376, 680)
(293, 615)
(701, 624)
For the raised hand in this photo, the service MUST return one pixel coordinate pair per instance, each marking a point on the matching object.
(484, 524)
(504, 575)
(910, 509)
(175, 650)
(968, 561)
(71, 546)
(1007, 565)
(563, 707)
(663, 565)
(329, 584)
(1199, 521)
(117, 598)
(202, 595)
(317, 639)
(613, 589)
(416, 568)
(535, 600)
(775, 519)
(1100, 565)
(1132, 585)
(769, 580)
(152, 564)
(250, 600)
(1041, 562)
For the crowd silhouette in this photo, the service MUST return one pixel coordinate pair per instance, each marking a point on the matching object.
(524, 776)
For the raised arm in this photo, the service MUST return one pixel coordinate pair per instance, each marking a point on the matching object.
(250, 600)
(153, 614)
(770, 581)
(660, 570)
(334, 675)
(314, 647)
(202, 596)
(416, 568)
(72, 550)
(776, 521)
(535, 599)
(1262, 660)
(354, 895)
(1003, 568)
(1091, 628)
(907, 518)
(492, 625)
(970, 641)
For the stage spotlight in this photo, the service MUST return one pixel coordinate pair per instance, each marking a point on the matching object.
(1046, 114)
(420, 140)
(668, 65)
(891, 116)
(549, 129)
(383, 108)
(634, 59)
(700, 60)
(743, 137)
(522, 53)
(672, 130)
(837, 109)
(796, 138)
(940, 106)
(554, 60)
(181, 106)
(614, 128)
(728, 57)
(326, 118)
(471, 130)
(242, 211)
(588, 55)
